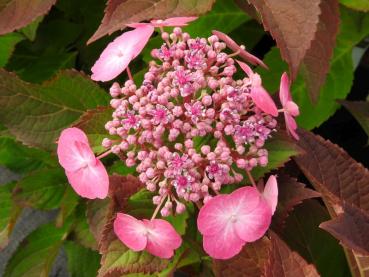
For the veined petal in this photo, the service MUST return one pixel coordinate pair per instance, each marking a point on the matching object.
(284, 89)
(248, 57)
(73, 150)
(162, 238)
(132, 232)
(263, 100)
(224, 245)
(91, 181)
(270, 193)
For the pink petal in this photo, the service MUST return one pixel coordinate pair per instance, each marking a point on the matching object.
(292, 108)
(270, 193)
(91, 181)
(224, 245)
(291, 125)
(138, 25)
(162, 238)
(263, 100)
(212, 217)
(174, 21)
(73, 149)
(235, 47)
(253, 214)
(246, 68)
(130, 231)
(119, 53)
(284, 89)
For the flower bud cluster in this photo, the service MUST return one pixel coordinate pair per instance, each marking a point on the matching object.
(190, 128)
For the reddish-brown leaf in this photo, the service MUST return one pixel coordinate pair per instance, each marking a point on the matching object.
(97, 212)
(250, 262)
(333, 172)
(351, 228)
(120, 189)
(290, 194)
(118, 13)
(360, 110)
(317, 59)
(293, 24)
(15, 14)
(283, 262)
(249, 9)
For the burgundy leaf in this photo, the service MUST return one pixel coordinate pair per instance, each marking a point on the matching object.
(290, 194)
(118, 13)
(283, 262)
(293, 24)
(351, 228)
(316, 62)
(360, 110)
(333, 172)
(15, 14)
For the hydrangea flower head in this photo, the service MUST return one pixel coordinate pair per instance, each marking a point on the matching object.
(85, 173)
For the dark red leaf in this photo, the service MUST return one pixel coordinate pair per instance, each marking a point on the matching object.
(316, 62)
(351, 228)
(15, 14)
(293, 24)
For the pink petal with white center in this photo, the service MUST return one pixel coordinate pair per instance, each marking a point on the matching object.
(270, 193)
(73, 149)
(119, 53)
(173, 21)
(213, 216)
(284, 89)
(162, 238)
(291, 125)
(224, 245)
(91, 181)
(132, 232)
(242, 52)
(252, 214)
(263, 100)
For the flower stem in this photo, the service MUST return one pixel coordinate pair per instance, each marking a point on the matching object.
(251, 178)
(129, 74)
(103, 154)
(158, 207)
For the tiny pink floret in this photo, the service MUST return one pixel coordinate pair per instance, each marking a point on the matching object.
(291, 110)
(156, 236)
(85, 172)
(228, 222)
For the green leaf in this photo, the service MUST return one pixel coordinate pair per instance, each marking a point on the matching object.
(93, 123)
(35, 114)
(81, 230)
(179, 222)
(225, 16)
(361, 5)
(20, 158)
(120, 168)
(82, 262)
(140, 204)
(120, 260)
(68, 204)
(280, 148)
(7, 45)
(360, 110)
(36, 254)
(302, 233)
(31, 29)
(9, 213)
(42, 189)
(354, 27)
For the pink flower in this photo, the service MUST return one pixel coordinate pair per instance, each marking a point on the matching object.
(119, 53)
(236, 48)
(228, 222)
(156, 236)
(258, 94)
(169, 22)
(290, 108)
(85, 172)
